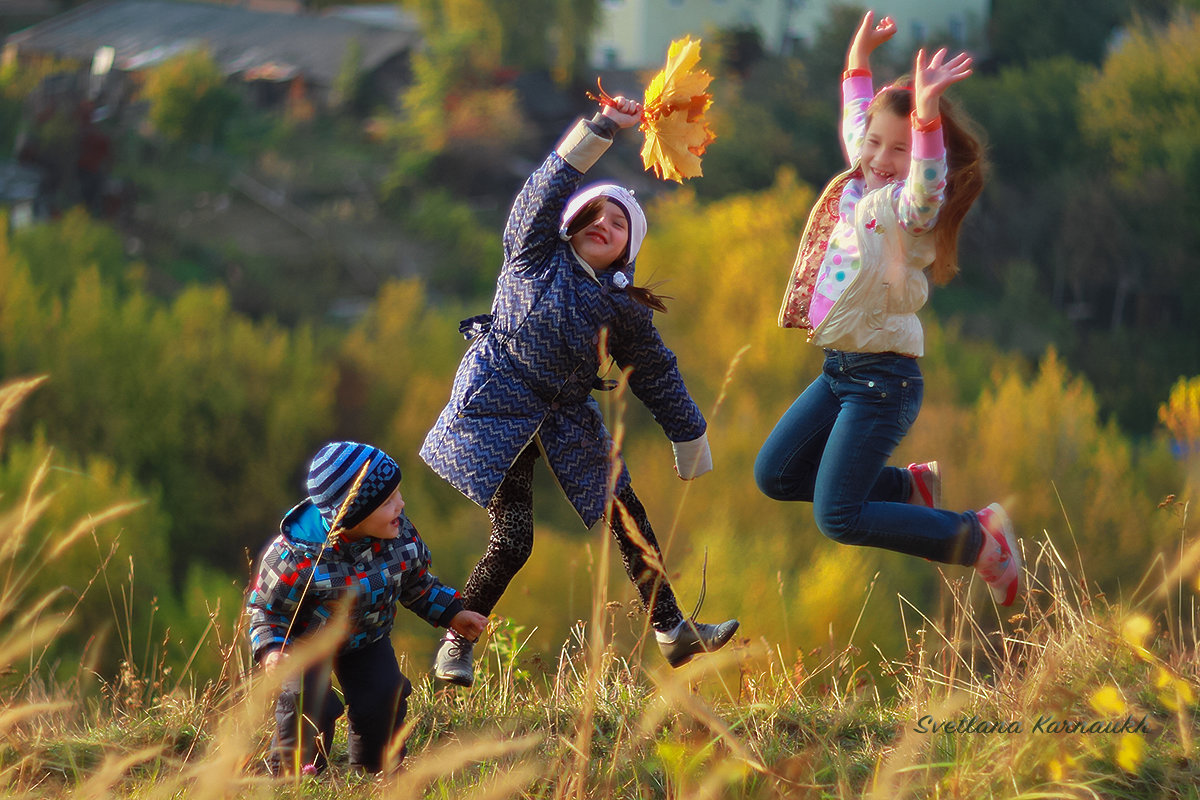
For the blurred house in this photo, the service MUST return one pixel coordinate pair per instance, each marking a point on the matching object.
(635, 34)
(22, 200)
(282, 52)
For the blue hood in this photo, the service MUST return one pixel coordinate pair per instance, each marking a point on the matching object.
(304, 525)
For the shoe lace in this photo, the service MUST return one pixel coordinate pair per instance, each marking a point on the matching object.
(459, 647)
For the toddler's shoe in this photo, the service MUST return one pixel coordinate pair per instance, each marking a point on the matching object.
(455, 660)
(689, 639)
(927, 485)
(999, 562)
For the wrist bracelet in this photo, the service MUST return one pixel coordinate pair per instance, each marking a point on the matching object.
(857, 72)
(926, 127)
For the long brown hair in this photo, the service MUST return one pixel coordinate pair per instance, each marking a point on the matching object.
(586, 216)
(965, 169)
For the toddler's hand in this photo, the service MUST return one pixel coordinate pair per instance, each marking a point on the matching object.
(271, 659)
(469, 624)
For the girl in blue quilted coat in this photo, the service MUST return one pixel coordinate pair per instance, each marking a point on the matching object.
(523, 389)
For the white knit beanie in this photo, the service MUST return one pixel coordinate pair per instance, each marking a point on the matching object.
(623, 197)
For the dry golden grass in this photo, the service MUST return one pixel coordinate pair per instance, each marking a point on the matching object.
(749, 722)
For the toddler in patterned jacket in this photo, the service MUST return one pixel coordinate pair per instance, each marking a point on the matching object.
(341, 540)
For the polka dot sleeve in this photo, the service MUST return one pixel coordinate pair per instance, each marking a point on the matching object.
(919, 198)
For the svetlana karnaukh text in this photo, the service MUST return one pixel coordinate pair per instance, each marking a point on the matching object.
(1043, 724)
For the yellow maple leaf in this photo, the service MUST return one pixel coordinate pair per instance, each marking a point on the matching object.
(676, 82)
(674, 145)
(673, 119)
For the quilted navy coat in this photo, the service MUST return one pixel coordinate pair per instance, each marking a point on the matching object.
(531, 371)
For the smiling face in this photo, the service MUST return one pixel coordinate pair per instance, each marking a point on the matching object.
(886, 150)
(603, 240)
(382, 523)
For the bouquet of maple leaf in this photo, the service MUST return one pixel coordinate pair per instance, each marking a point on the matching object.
(673, 114)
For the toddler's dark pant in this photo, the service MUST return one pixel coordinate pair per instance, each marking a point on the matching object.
(376, 695)
(511, 543)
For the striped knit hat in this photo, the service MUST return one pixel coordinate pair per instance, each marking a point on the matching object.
(333, 471)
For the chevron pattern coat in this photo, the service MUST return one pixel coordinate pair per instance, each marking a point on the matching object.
(532, 373)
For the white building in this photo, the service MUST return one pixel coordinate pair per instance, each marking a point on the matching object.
(635, 34)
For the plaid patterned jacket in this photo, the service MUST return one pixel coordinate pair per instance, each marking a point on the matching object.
(532, 371)
(300, 578)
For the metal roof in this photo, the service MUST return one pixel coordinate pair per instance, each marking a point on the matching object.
(146, 32)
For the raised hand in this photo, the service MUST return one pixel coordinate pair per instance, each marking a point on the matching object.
(623, 111)
(930, 79)
(867, 38)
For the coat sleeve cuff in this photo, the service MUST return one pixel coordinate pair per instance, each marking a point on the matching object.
(928, 144)
(581, 147)
(262, 652)
(694, 458)
(455, 606)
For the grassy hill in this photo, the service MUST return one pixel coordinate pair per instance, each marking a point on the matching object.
(1070, 695)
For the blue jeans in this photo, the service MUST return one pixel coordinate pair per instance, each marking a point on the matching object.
(831, 449)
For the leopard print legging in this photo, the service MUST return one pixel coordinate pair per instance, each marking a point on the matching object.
(511, 542)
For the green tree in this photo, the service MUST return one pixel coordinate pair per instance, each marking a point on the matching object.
(1143, 107)
(771, 120)
(740, 49)
(1068, 461)
(215, 410)
(349, 85)
(1021, 31)
(190, 102)
(825, 58)
(532, 35)
(1140, 112)
(62, 247)
(396, 367)
(455, 116)
(575, 21)
(1039, 162)
(1031, 116)
(89, 540)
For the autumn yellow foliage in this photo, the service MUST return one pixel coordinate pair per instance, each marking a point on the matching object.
(675, 102)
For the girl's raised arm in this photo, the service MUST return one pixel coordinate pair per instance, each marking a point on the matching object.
(857, 88)
(866, 39)
(931, 78)
(532, 227)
